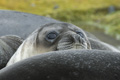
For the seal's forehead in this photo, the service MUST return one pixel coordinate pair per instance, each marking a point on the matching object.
(60, 26)
(52, 27)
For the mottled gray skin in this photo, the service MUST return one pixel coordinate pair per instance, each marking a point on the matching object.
(66, 65)
(8, 45)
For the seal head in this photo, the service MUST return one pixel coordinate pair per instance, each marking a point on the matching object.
(52, 37)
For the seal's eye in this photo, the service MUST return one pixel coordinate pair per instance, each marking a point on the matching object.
(52, 35)
(81, 34)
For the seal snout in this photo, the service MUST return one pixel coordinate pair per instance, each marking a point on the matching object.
(78, 41)
(72, 41)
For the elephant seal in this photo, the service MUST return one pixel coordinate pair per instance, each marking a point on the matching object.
(16, 23)
(51, 37)
(8, 46)
(66, 65)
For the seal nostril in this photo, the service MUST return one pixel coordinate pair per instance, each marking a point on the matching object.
(77, 39)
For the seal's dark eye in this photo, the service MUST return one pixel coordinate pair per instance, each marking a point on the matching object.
(52, 35)
(81, 34)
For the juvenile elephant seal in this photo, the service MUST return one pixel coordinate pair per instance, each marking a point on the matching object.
(51, 37)
(8, 46)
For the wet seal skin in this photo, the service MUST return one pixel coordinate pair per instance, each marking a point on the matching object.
(51, 37)
(66, 65)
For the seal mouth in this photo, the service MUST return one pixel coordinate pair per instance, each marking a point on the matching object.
(79, 46)
(70, 45)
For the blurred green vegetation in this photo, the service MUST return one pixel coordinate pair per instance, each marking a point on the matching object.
(88, 14)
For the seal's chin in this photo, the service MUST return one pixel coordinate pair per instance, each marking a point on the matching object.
(70, 45)
(79, 46)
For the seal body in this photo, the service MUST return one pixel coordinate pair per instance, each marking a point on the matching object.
(8, 46)
(100, 45)
(21, 24)
(52, 37)
(66, 65)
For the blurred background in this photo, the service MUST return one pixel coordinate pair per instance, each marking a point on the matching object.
(100, 17)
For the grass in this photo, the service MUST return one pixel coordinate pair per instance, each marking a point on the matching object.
(88, 14)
